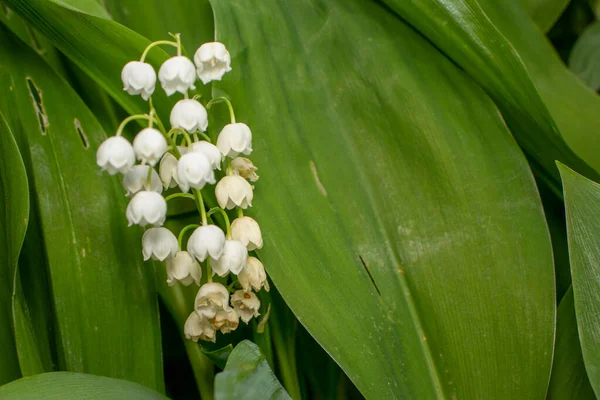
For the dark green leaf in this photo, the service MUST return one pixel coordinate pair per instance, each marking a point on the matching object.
(585, 57)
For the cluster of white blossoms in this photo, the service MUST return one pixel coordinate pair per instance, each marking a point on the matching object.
(192, 166)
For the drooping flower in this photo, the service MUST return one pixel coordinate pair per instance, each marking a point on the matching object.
(149, 145)
(235, 139)
(211, 298)
(194, 170)
(253, 276)
(233, 259)
(190, 115)
(245, 304)
(210, 151)
(245, 168)
(146, 208)
(177, 74)
(212, 62)
(226, 320)
(115, 154)
(197, 327)
(205, 241)
(139, 78)
(137, 177)
(159, 243)
(234, 191)
(183, 268)
(167, 170)
(247, 231)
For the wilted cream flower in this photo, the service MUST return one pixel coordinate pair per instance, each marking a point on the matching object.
(177, 74)
(212, 62)
(194, 170)
(197, 327)
(146, 208)
(235, 139)
(139, 78)
(159, 243)
(247, 231)
(210, 151)
(211, 298)
(149, 145)
(245, 168)
(226, 320)
(207, 240)
(245, 304)
(115, 154)
(253, 276)
(183, 268)
(234, 191)
(233, 259)
(136, 179)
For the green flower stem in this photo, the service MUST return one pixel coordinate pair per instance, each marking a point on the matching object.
(157, 43)
(129, 119)
(186, 134)
(229, 169)
(156, 118)
(226, 100)
(175, 195)
(208, 270)
(149, 178)
(240, 212)
(225, 216)
(183, 231)
(200, 205)
(177, 37)
(231, 285)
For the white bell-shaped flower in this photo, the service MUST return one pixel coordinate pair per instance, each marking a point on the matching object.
(205, 241)
(196, 327)
(212, 61)
(233, 259)
(159, 243)
(247, 231)
(183, 268)
(234, 191)
(139, 78)
(245, 168)
(177, 74)
(194, 170)
(226, 320)
(245, 304)
(211, 298)
(115, 154)
(136, 179)
(210, 151)
(190, 115)
(149, 145)
(167, 170)
(235, 139)
(146, 208)
(253, 276)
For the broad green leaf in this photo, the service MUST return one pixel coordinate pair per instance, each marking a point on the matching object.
(467, 31)
(582, 203)
(103, 296)
(74, 386)
(14, 210)
(247, 375)
(544, 12)
(569, 379)
(401, 222)
(584, 60)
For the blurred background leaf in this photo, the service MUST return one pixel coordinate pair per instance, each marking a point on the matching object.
(585, 57)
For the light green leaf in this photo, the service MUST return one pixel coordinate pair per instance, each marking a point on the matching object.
(103, 296)
(569, 379)
(247, 375)
(584, 60)
(400, 219)
(73, 386)
(582, 202)
(544, 12)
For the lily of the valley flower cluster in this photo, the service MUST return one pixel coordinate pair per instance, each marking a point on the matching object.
(192, 165)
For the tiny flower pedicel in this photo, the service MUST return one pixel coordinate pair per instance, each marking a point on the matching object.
(186, 162)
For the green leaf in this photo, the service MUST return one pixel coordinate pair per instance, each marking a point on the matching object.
(569, 379)
(467, 30)
(544, 12)
(247, 375)
(14, 210)
(401, 222)
(74, 386)
(585, 57)
(582, 202)
(103, 296)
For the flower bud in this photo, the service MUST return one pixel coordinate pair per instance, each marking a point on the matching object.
(190, 115)
(167, 170)
(196, 327)
(210, 151)
(146, 208)
(177, 74)
(234, 191)
(233, 259)
(247, 231)
(211, 298)
(159, 243)
(138, 78)
(183, 268)
(207, 240)
(253, 276)
(115, 154)
(235, 139)
(245, 304)
(136, 179)
(149, 145)
(245, 168)
(194, 170)
(212, 62)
